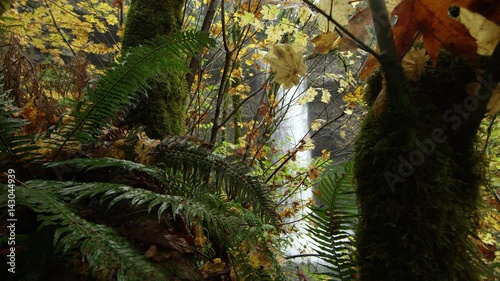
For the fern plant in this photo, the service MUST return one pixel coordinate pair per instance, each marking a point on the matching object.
(221, 174)
(333, 224)
(188, 183)
(208, 208)
(57, 203)
(118, 87)
(107, 253)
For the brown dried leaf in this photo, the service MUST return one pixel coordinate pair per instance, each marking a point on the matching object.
(358, 26)
(414, 63)
(325, 42)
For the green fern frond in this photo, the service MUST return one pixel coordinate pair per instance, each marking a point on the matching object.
(190, 166)
(105, 250)
(13, 147)
(222, 174)
(89, 164)
(333, 224)
(209, 209)
(119, 86)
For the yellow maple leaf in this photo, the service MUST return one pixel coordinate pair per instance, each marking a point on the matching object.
(212, 266)
(274, 33)
(316, 124)
(307, 144)
(325, 96)
(339, 10)
(287, 63)
(144, 147)
(270, 12)
(308, 96)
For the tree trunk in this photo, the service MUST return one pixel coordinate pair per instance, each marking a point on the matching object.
(417, 170)
(162, 112)
(418, 183)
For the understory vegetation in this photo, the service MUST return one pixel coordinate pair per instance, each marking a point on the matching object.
(249, 140)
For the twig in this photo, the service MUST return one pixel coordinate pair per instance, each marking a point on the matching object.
(205, 27)
(293, 152)
(59, 29)
(301, 256)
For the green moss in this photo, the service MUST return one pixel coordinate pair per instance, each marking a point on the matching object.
(415, 221)
(162, 113)
(148, 19)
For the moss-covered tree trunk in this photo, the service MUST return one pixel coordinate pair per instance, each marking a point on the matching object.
(417, 170)
(162, 112)
(417, 175)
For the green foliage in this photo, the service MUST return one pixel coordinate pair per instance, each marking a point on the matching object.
(57, 205)
(209, 209)
(116, 90)
(218, 173)
(334, 222)
(106, 252)
(185, 193)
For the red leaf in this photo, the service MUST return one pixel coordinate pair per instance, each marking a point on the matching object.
(430, 18)
(405, 28)
(490, 9)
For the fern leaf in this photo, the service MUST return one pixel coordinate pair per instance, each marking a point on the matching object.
(105, 250)
(119, 86)
(224, 174)
(333, 224)
(209, 210)
(196, 164)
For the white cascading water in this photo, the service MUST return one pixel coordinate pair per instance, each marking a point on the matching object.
(290, 132)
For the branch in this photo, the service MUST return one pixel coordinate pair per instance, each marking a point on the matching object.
(205, 27)
(301, 256)
(489, 81)
(59, 30)
(299, 146)
(389, 58)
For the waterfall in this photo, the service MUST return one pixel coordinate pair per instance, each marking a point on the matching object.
(295, 124)
(293, 128)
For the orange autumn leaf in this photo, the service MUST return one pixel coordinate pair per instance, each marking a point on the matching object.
(490, 9)
(406, 28)
(430, 18)
(370, 65)
(313, 173)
